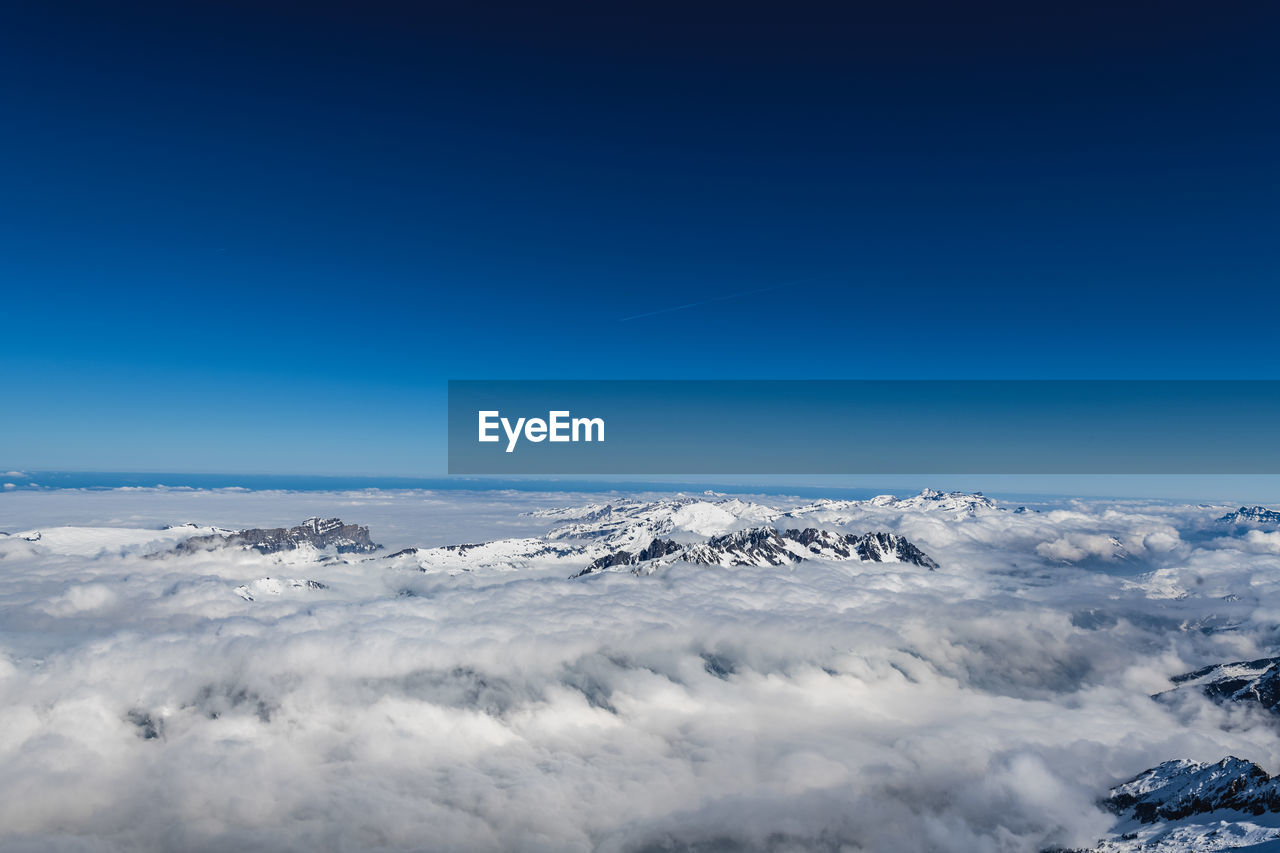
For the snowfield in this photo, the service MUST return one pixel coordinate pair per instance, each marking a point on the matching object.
(758, 685)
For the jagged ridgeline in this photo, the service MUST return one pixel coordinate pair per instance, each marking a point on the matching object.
(644, 536)
(1252, 515)
(317, 532)
(1179, 789)
(634, 535)
(768, 546)
(1252, 682)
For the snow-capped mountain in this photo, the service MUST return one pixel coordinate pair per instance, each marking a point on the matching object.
(275, 586)
(954, 504)
(768, 546)
(756, 546)
(931, 500)
(86, 541)
(1181, 805)
(1248, 682)
(632, 524)
(1181, 788)
(1251, 515)
(501, 554)
(316, 532)
(641, 535)
(645, 535)
(647, 556)
(1185, 806)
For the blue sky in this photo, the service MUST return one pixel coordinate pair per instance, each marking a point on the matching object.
(260, 238)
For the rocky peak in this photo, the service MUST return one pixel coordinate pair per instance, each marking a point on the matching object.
(1181, 788)
(768, 546)
(1254, 682)
(1252, 515)
(317, 532)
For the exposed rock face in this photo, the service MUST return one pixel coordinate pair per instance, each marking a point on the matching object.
(887, 547)
(756, 546)
(1178, 789)
(1182, 806)
(767, 546)
(655, 549)
(1254, 681)
(317, 532)
(1252, 515)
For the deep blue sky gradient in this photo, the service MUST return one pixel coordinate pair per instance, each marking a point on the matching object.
(259, 237)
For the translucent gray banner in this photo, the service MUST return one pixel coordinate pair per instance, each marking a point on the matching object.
(863, 427)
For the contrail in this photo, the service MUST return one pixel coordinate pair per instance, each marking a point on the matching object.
(718, 299)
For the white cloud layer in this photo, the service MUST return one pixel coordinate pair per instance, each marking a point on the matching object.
(145, 705)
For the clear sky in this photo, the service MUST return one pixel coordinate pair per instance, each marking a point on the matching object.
(260, 237)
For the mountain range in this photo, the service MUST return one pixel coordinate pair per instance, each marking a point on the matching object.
(768, 546)
(1252, 515)
(1254, 682)
(1180, 806)
(316, 532)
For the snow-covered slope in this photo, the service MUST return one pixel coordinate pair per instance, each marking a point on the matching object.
(1254, 682)
(1252, 515)
(755, 546)
(1184, 806)
(90, 541)
(1215, 832)
(954, 505)
(767, 546)
(275, 586)
(931, 500)
(1181, 788)
(630, 524)
(501, 555)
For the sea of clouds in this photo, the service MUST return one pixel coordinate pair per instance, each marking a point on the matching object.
(986, 706)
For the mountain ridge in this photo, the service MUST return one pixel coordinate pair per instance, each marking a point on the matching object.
(768, 546)
(317, 532)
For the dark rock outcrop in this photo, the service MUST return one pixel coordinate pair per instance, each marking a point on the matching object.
(317, 532)
(768, 546)
(1252, 515)
(1178, 789)
(655, 549)
(1242, 682)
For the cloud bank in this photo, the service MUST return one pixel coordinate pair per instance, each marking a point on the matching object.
(986, 706)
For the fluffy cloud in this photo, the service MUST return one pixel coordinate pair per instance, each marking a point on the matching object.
(981, 707)
(1259, 542)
